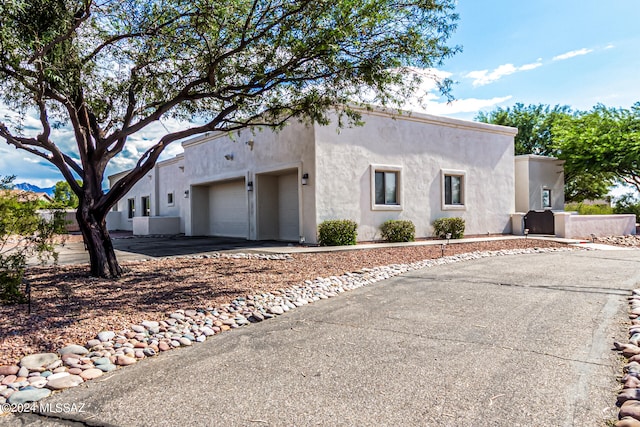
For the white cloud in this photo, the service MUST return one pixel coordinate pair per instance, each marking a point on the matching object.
(571, 54)
(484, 77)
(459, 106)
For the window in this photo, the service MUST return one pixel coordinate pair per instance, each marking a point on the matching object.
(385, 187)
(453, 183)
(546, 198)
(170, 199)
(146, 206)
(131, 208)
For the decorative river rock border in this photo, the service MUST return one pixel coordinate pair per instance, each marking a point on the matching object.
(38, 375)
(629, 398)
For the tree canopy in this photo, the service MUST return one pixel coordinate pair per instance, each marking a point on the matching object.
(539, 127)
(110, 68)
(602, 142)
(63, 196)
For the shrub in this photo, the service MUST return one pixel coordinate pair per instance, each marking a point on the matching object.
(627, 204)
(337, 232)
(584, 209)
(397, 230)
(455, 226)
(23, 235)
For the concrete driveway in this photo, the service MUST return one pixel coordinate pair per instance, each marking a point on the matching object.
(506, 341)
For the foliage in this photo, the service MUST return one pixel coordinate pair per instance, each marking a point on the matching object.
(63, 196)
(396, 230)
(339, 232)
(627, 204)
(109, 69)
(23, 235)
(538, 126)
(588, 209)
(534, 123)
(603, 142)
(453, 225)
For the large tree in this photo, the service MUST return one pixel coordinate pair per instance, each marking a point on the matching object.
(110, 68)
(537, 128)
(602, 141)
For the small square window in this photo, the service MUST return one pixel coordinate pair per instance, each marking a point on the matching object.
(131, 208)
(453, 189)
(170, 199)
(385, 187)
(546, 198)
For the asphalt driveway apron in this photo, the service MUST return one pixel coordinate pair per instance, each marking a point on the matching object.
(506, 341)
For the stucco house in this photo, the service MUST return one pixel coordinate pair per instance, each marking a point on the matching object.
(264, 185)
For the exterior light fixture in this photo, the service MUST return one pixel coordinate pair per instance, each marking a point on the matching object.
(186, 194)
(229, 156)
(250, 144)
(305, 179)
(593, 238)
(250, 186)
(448, 237)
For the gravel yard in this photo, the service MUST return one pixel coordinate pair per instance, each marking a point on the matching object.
(70, 307)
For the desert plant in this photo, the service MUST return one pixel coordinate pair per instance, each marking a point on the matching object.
(627, 204)
(398, 230)
(337, 232)
(23, 234)
(586, 209)
(443, 226)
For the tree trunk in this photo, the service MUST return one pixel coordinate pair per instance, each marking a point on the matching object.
(98, 242)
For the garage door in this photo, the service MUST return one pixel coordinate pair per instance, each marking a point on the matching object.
(228, 211)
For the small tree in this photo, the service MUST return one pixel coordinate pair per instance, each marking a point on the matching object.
(63, 195)
(23, 235)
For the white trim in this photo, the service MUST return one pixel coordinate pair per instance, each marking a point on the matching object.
(463, 190)
(372, 184)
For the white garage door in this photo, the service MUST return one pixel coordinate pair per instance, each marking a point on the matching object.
(228, 212)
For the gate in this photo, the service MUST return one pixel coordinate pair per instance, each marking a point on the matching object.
(539, 222)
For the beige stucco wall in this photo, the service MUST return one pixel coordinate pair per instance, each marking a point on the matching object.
(535, 173)
(583, 226)
(420, 147)
(250, 154)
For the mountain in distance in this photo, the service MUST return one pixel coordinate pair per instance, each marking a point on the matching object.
(25, 186)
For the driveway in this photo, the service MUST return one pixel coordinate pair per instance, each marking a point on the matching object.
(505, 341)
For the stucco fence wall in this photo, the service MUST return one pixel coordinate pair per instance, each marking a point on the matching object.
(71, 223)
(573, 226)
(580, 226)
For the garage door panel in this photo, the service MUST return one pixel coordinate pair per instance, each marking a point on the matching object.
(229, 215)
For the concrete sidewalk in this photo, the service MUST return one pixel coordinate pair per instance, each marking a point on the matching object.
(504, 341)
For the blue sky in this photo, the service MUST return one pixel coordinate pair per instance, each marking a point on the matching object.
(567, 52)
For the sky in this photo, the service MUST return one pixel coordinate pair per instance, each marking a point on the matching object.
(557, 52)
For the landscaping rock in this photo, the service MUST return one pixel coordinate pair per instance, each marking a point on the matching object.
(106, 336)
(73, 349)
(38, 360)
(91, 374)
(67, 381)
(31, 395)
(9, 370)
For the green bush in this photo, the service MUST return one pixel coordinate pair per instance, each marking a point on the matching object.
(627, 204)
(455, 226)
(584, 209)
(337, 232)
(23, 235)
(398, 230)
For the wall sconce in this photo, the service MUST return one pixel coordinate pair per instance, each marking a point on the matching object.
(250, 186)
(305, 179)
(186, 194)
(250, 144)
(228, 156)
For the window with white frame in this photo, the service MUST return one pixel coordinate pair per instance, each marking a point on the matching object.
(546, 198)
(453, 189)
(386, 187)
(131, 208)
